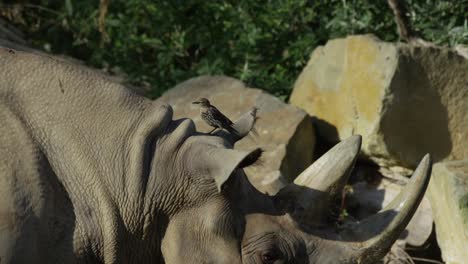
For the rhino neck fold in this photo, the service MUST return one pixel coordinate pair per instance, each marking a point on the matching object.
(96, 136)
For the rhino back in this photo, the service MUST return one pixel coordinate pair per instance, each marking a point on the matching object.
(73, 147)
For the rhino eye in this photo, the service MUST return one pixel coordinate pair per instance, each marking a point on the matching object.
(270, 257)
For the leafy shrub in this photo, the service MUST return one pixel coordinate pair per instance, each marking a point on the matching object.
(264, 43)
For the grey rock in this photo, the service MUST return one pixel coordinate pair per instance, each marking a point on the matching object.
(284, 131)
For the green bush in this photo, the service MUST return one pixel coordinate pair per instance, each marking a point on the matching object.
(264, 43)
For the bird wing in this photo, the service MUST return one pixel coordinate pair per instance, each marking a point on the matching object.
(221, 117)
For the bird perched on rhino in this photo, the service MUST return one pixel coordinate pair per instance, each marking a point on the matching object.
(213, 117)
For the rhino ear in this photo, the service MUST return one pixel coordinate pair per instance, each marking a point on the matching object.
(243, 126)
(225, 161)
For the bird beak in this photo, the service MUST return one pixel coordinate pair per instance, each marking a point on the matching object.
(196, 102)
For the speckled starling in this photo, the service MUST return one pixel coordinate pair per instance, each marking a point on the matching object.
(213, 117)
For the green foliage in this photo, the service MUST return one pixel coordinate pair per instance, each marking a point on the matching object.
(443, 22)
(264, 43)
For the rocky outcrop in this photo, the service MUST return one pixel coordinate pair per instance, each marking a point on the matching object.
(448, 194)
(404, 100)
(284, 131)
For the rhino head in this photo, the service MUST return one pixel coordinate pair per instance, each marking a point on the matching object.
(239, 224)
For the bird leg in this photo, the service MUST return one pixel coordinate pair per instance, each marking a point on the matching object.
(212, 130)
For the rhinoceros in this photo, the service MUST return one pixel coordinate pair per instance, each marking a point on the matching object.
(91, 172)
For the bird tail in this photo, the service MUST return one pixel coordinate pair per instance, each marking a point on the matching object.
(232, 130)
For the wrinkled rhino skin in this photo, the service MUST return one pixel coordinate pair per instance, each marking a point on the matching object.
(93, 173)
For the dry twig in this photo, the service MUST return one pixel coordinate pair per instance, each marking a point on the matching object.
(103, 7)
(402, 20)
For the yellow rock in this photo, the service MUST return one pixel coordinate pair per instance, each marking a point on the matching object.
(404, 100)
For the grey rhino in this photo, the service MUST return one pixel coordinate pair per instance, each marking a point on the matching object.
(93, 173)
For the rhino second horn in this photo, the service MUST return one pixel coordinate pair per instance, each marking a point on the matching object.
(375, 235)
(321, 184)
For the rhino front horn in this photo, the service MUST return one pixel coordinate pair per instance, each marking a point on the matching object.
(376, 234)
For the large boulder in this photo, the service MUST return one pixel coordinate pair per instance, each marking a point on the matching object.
(448, 194)
(405, 100)
(284, 131)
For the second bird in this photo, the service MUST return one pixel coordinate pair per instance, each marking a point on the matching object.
(213, 117)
